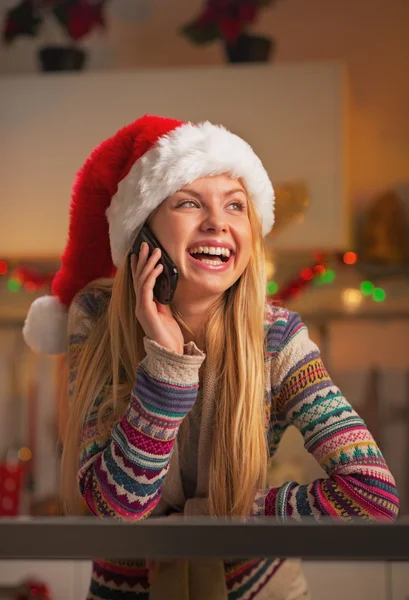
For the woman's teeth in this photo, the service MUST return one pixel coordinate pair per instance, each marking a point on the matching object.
(210, 262)
(199, 251)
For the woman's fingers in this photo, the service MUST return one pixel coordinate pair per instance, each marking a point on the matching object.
(145, 271)
(139, 260)
(149, 266)
(146, 292)
(163, 309)
(142, 264)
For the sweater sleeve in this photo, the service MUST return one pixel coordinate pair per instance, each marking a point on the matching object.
(358, 483)
(121, 475)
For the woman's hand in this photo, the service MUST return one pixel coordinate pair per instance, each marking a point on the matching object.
(155, 318)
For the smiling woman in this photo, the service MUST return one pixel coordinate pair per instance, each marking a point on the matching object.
(208, 218)
(177, 408)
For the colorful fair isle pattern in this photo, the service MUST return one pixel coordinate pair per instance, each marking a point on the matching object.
(121, 476)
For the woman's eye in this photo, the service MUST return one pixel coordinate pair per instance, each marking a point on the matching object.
(237, 205)
(188, 203)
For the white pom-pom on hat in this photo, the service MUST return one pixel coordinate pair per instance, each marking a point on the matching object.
(45, 329)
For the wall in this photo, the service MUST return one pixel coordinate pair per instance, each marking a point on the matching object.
(277, 109)
(370, 35)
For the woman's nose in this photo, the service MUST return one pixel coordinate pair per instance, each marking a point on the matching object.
(214, 221)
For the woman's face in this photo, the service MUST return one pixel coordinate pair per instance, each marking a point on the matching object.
(205, 229)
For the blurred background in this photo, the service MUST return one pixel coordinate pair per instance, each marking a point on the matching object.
(319, 90)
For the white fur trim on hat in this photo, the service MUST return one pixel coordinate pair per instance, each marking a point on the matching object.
(177, 159)
(45, 329)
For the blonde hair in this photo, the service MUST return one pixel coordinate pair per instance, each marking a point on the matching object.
(234, 334)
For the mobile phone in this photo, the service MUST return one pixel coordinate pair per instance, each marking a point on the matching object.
(166, 281)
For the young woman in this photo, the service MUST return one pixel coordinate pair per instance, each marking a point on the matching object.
(176, 409)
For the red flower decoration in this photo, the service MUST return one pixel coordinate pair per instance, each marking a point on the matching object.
(225, 19)
(77, 17)
(82, 18)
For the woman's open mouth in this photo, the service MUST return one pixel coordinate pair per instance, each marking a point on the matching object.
(211, 257)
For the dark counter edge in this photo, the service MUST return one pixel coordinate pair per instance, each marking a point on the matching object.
(85, 538)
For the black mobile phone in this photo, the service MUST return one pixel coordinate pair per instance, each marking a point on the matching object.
(166, 281)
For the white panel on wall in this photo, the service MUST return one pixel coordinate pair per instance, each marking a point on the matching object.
(399, 580)
(69, 580)
(82, 578)
(346, 581)
(59, 575)
(292, 114)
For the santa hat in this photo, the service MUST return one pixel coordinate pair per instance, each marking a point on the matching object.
(121, 183)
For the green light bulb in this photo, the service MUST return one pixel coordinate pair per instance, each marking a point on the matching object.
(13, 285)
(272, 288)
(367, 288)
(328, 276)
(379, 295)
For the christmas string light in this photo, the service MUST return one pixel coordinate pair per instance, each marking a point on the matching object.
(296, 286)
(25, 278)
(319, 274)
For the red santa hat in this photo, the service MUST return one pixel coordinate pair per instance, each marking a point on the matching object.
(121, 183)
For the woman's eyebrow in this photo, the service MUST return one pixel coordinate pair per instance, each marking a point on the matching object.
(190, 192)
(198, 196)
(231, 192)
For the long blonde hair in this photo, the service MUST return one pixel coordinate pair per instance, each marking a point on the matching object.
(234, 334)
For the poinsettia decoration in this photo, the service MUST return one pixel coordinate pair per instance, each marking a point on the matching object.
(224, 19)
(77, 17)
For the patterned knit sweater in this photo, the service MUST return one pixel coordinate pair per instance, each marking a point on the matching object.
(121, 475)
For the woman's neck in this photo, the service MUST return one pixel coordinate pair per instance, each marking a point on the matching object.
(193, 315)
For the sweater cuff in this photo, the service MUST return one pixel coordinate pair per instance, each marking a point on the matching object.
(163, 364)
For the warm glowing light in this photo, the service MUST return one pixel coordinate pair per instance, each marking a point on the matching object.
(25, 454)
(3, 267)
(351, 299)
(270, 270)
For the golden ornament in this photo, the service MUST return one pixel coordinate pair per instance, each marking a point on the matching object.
(384, 231)
(291, 204)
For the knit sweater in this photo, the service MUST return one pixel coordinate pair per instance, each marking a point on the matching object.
(121, 475)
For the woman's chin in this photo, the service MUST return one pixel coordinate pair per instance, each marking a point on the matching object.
(201, 288)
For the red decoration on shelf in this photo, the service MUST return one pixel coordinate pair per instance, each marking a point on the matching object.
(11, 479)
(33, 588)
